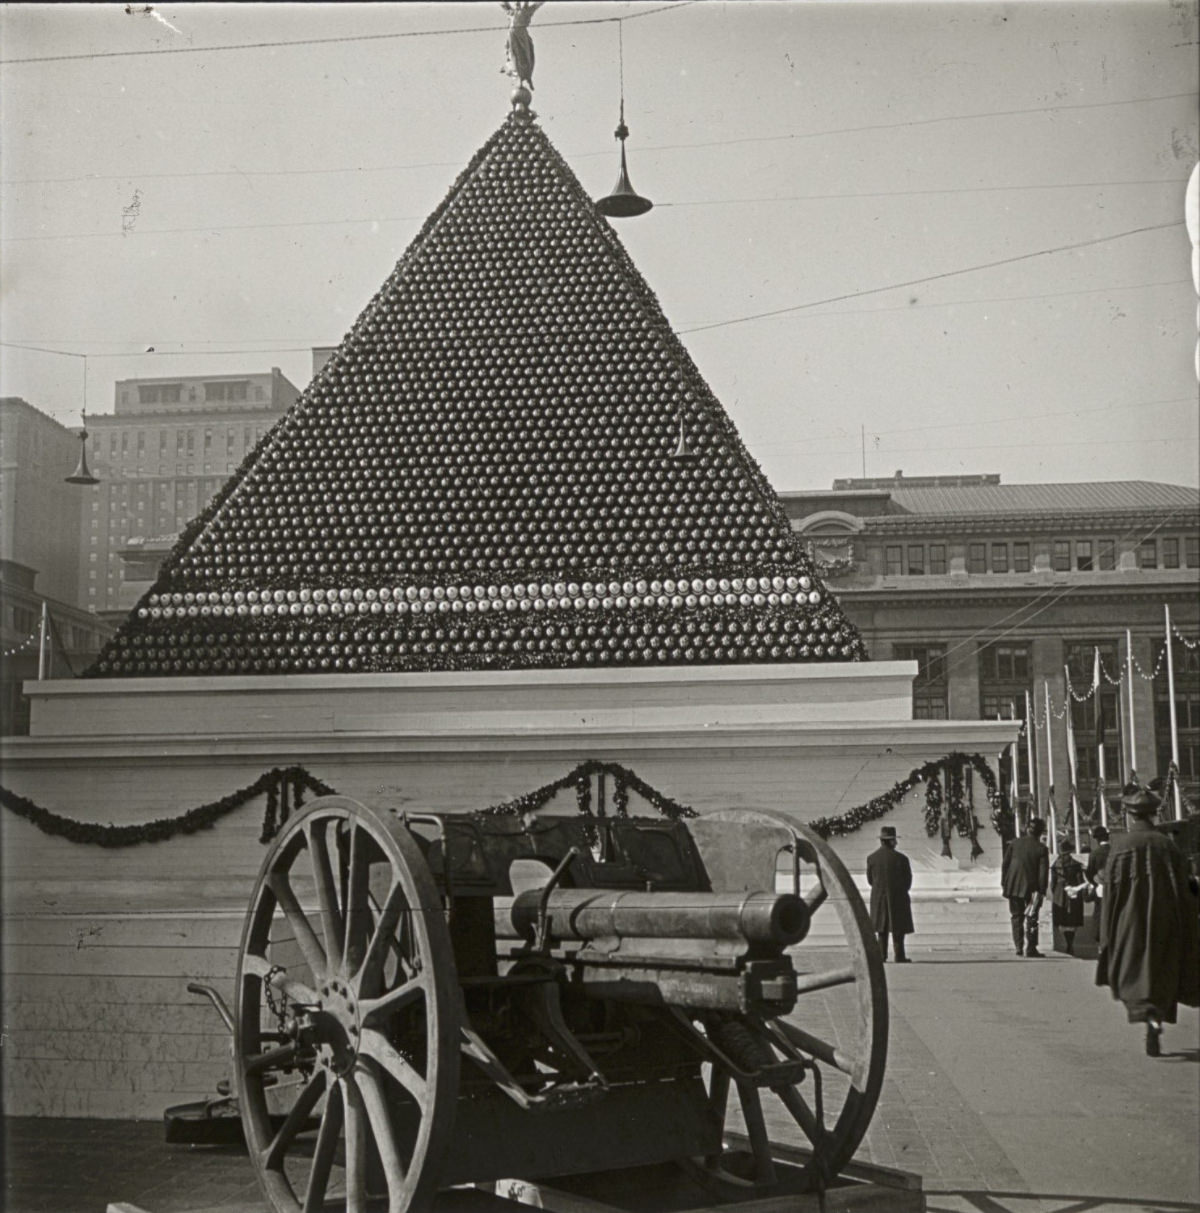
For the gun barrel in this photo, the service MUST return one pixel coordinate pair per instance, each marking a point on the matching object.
(777, 919)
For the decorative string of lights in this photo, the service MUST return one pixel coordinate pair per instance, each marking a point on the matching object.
(1183, 640)
(21, 645)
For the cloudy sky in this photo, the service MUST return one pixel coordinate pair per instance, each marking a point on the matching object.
(958, 226)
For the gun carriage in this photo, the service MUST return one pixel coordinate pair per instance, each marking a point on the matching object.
(428, 1000)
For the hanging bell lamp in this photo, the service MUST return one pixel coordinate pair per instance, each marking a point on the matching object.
(624, 201)
(82, 473)
(683, 452)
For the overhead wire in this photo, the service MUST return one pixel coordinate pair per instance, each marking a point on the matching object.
(1058, 595)
(38, 342)
(289, 42)
(970, 269)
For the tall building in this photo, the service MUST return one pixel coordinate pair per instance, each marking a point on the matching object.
(39, 556)
(997, 589)
(39, 513)
(162, 453)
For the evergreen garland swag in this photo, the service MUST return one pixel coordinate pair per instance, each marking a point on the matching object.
(958, 812)
(285, 789)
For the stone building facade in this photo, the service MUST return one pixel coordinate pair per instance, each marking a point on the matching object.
(168, 446)
(995, 588)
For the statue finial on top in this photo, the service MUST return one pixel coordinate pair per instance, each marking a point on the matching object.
(519, 60)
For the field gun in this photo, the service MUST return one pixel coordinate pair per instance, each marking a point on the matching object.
(426, 1001)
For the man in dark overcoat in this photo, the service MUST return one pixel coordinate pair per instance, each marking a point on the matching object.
(1024, 877)
(1149, 922)
(890, 876)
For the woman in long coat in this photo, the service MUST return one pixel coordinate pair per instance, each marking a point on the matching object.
(890, 876)
(1149, 923)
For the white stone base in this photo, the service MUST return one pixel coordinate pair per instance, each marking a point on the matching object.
(99, 944)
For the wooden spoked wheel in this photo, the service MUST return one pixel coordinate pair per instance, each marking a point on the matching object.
(839, 1025)
(346, 1026)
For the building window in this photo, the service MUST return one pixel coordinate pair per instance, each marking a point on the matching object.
(191, 443)
(1108, 555)
(1170, 553)
(916, 560)
(233, 391)
(1191, 551)
(1004, 662)
(1099, 715)
(1083, 555)
(159, 393)
(929, 686)
(1020, 558)
(1187, 715)
(937, 557)
(1148, 554)
(1003, 680)
(1062, 555)
(977, 558)
(999, 557)
(894, 560)
(23, 619)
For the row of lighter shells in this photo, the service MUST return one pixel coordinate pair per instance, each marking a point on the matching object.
(438, 593)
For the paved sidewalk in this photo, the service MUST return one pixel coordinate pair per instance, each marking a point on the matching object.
(1012, 1087)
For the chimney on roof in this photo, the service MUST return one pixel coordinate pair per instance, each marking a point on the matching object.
(899, 474)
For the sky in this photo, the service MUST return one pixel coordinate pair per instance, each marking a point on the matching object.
(945, 238)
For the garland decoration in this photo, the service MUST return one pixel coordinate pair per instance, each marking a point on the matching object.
(854, 819)
(624, 781)
(933, 803)
(276, 783)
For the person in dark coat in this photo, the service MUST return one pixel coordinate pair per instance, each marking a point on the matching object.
(890, 876)
(1094, 871)
(1097, 856)
(1067, 885)
(1149, 923)
(1024, 877)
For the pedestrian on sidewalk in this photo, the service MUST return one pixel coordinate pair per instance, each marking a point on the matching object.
(1149, 922)
(1097, 858)
(890, 876)
(1068, 883)
(1024, 876)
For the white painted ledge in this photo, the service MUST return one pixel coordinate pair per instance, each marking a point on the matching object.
(485, 702)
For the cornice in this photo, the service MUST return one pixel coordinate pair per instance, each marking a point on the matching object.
(1097, 522)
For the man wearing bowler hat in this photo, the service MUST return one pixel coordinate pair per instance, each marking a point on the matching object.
(890, 876)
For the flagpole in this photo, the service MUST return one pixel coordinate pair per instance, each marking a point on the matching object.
(1071, 755)
(1102, 795)
(1050, 773)
(1031, 763)
(1174, 722)
(1132, 726)
(43, 642)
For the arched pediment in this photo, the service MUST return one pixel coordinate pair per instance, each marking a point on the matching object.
(830, 522)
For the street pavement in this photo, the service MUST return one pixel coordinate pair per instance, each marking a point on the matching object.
(1013, 1086)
